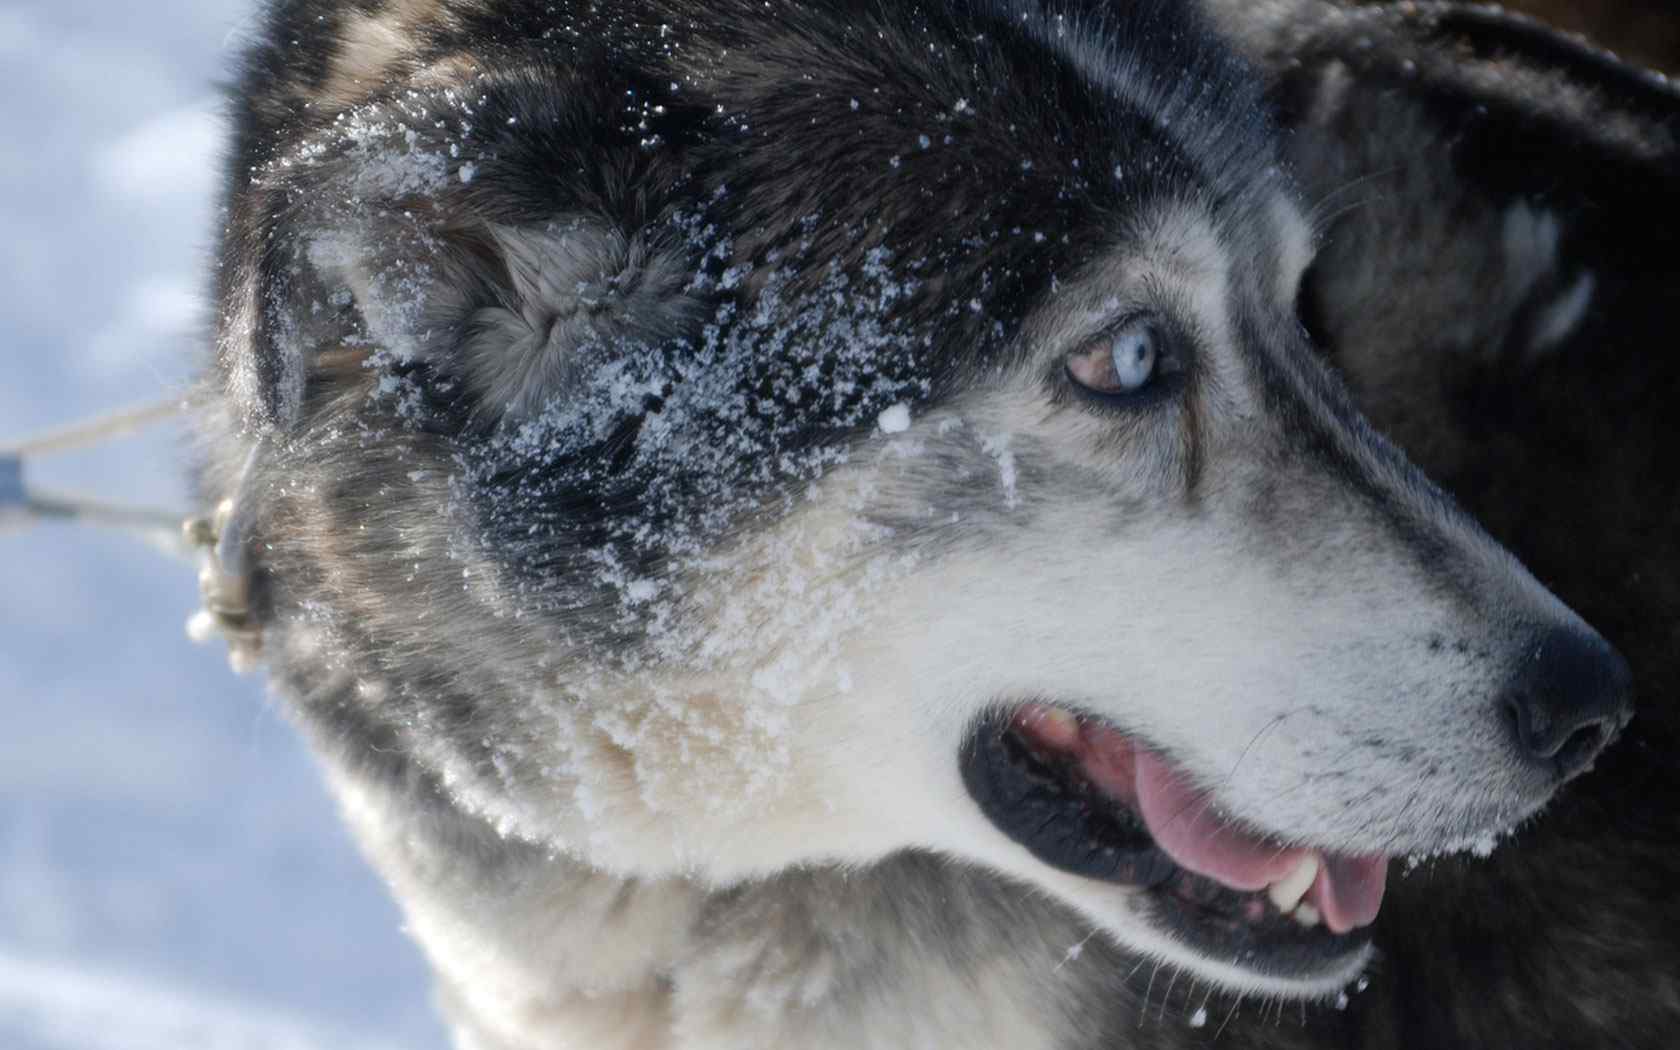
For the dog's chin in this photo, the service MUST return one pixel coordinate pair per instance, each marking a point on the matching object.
(1198, 890)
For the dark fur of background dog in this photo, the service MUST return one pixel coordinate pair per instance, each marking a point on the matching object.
(1644, 31)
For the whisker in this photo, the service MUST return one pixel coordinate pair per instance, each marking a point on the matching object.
(1274, 723)
(1234, 1004)
(1143, 1014)
(1076, 951)
(1165, 999)
(1330, 208)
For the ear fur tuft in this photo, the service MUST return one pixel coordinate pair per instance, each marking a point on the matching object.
(426, 230)
(570, 288)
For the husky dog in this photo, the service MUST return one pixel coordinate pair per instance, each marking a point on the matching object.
(819, 524)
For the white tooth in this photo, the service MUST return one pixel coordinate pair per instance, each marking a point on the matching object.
(1288, 891)
(1052, 726)
(1306, 915)
(1060, 722)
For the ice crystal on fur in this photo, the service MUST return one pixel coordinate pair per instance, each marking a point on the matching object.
(684, 442)
(895, 420)
(702, 432)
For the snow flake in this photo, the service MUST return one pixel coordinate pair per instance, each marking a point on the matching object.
(895, 420)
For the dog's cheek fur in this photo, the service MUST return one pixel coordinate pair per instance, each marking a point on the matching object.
(1017, 509)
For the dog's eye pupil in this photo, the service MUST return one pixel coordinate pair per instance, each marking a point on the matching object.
(1133, 355)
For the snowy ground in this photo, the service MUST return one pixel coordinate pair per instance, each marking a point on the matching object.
(171, 872)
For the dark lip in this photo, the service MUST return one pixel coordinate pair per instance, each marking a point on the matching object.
(1065, 822)
(1059, 817)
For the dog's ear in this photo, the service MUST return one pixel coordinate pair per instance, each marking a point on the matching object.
(429, 237)
(1490, 193)
(1499, 269)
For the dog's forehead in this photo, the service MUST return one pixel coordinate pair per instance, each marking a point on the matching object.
(1186, 255)
(924, 143)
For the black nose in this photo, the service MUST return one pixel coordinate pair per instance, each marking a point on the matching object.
(1569, 698)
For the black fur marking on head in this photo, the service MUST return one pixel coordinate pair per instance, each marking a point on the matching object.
(431, 229)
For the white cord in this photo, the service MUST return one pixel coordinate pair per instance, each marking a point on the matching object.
(20, 507)
(93, 432)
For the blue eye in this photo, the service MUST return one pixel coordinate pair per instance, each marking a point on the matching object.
(1133, 355)
(1123, 361)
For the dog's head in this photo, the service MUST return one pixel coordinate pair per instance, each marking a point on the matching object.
(790, 435)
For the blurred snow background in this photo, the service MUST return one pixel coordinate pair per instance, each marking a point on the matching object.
(172, 874)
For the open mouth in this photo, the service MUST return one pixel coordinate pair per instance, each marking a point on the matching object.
(1086, 798)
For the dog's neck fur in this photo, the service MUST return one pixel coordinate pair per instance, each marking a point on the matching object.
(526, 946)
(534, 949)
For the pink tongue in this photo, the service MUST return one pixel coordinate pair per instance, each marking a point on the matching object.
(1347, 892)
(1184, 823)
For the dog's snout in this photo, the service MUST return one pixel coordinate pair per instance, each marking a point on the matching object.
(1568, 700)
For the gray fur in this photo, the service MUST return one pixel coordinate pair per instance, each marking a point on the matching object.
(577, 548)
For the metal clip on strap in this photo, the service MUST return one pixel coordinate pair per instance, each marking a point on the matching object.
(224, 575)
